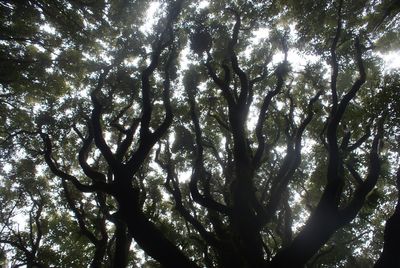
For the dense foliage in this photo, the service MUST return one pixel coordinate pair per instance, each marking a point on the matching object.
(199, 133)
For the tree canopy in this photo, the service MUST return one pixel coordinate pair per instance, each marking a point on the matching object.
(199, 133)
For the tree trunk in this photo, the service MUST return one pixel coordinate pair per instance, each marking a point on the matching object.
(122, 243)
(390, 256)
(100, 251)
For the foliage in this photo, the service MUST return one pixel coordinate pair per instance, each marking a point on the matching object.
(198, 133)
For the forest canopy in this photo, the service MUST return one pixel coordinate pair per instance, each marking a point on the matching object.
(199, 133)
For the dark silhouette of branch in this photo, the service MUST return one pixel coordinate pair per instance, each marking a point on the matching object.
(30, 246)
(172, 186)
(244, 81)
(348, 213)
(96, 122)
(96, 186)
(327, 217)
(360, 141)
(78, 215)
(148, 139)
(199, 173)
(100, 244)
(334, 61)
(222, 84)
(291, 162)
(354, 173)
(262, 116)
(93, 174)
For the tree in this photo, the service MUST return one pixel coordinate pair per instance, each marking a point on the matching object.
(288, 161)
(389, 256)
(27, 242)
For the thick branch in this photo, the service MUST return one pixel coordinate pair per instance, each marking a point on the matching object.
(82, 158)
(96, 122)
(354, 173)
(261, 118)
(78, 216)
(222, 84)
(291, 162)
(326, 218)
(335, 165)
(334, 61)
(244, 81)
(148, 139)
(360, 141)
(174, 190)
(348, 213)
(97, 186)
(199, 170)
(127, 142)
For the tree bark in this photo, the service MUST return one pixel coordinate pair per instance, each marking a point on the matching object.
(100, 251)
(319, 228)
(390, 256)
(145, 233)
(122, 243)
